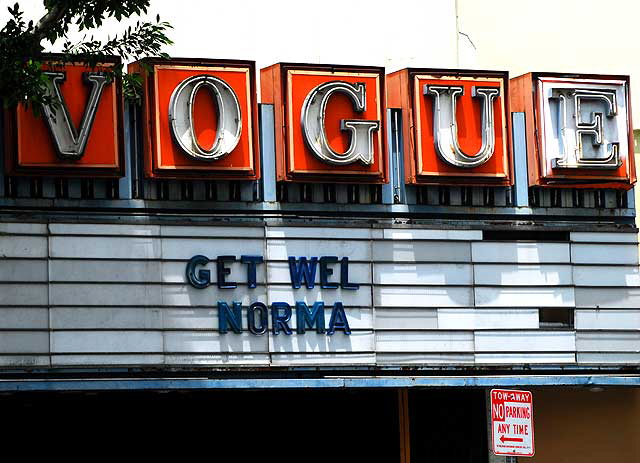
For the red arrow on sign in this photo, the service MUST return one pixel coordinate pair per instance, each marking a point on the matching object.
(510, 439)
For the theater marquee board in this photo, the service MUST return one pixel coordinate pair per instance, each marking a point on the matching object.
(201, 118)
(455, 125)
(579, 131)
(81, 135)
(332, 119)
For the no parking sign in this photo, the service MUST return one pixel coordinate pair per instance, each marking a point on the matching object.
(512, 422)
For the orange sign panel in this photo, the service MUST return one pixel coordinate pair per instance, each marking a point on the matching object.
(455, 125)
(202, 118)
(578, 128)
(332, 119)
(79, 135)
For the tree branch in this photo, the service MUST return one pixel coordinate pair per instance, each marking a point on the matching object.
(53, 16)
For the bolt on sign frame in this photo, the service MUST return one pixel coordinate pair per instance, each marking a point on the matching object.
(201, 118)
(81, 134)
(456, 125)
(330, 122)
(578, 127)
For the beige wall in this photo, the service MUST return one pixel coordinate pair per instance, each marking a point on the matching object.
(552, 35)
(577, 425)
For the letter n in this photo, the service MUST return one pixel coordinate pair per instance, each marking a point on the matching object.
(227, 316)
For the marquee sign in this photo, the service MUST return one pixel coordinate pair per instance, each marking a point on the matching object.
(202, 118)
(332, 120)
(200, 121)
(455, 125)
(578, 129)
(80, 134)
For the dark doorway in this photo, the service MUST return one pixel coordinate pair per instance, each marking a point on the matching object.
(305, 425)
(448, 425)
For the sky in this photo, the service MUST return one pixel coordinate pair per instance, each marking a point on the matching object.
(514, 35)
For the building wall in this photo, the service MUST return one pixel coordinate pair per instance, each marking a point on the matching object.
(90, 294)
(577, 425)
(582, 36)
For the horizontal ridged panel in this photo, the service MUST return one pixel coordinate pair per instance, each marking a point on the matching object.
(520, 252)
(522, 274)
(326, 358)
(16, 294)
(604, 341)
(24, 361)
(222, 359)
(106, 359)
(413, 234)
(24, 318)
(595, 237)
(422, 274)
(104, 294)
(424, 341)
(107, 271)
(23, 270)
(345, 233)
(593, 275)
(406, 318)
(102, 318)
(609, 319)
(112, 247)
(483, 319)
(190, 341)
(608, 358)
(24, 342)
(525, 358)
(23, 246)
(608, 298)
(211, 232)
(535, 296)
(416, 296)
(623, 254)
(106, 341)
(102, 229)
(424, 359)
(525, 341)
(23, 228)
(421, 251)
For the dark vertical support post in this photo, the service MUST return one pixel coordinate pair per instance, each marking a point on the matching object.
(141, 188)
(2, 154)
(631, 199)
(519, 137)
(267, 153)
(394, 191)
(403, 414)
(125, 187)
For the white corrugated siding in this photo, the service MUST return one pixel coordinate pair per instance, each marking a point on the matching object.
(110, 294)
